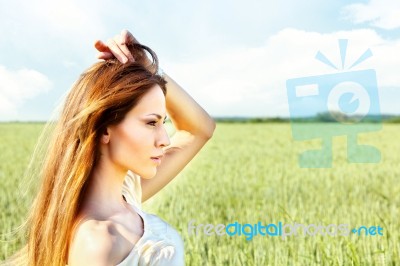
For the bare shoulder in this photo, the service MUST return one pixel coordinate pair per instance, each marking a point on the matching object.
(94, 243)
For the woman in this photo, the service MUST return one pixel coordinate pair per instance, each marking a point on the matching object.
(110, 153)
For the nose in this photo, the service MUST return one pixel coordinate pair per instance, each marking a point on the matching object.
(163, 138)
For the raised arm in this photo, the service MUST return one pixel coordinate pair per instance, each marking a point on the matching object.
(194, 127)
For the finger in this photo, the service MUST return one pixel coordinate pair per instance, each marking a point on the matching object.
(105, 55)
(101, 46)
(123, 46)
(116, 51)
(128, 37)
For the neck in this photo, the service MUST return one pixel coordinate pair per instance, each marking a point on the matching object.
(104, 192)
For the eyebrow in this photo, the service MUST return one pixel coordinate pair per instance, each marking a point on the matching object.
(158, 116)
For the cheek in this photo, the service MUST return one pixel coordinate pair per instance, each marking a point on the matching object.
(133, 141)
(134, 151)
(137, 137)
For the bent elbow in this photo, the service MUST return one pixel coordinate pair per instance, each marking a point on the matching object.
(209, 129)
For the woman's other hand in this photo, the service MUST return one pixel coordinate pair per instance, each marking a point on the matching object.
(117, 47)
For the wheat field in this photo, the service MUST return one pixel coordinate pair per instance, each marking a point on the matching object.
(249, 173)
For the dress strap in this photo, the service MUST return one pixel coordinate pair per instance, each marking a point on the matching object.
(132, 189)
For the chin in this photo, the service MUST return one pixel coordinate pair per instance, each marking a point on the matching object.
(148, 175)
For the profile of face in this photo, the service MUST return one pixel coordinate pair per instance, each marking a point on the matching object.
(141, 136)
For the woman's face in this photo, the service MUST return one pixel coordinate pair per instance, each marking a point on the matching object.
(140, 137)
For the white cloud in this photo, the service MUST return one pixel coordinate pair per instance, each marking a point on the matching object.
(18, 86)
(246, 81)
(252, 81)
(383, 14)
(45, 30)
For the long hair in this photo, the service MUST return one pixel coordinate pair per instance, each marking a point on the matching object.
(101, 96)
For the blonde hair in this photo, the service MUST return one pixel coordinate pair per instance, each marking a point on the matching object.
(101, 97)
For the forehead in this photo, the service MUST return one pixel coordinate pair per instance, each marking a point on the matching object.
(152, 101)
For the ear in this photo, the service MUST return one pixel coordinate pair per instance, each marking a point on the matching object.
(105, 137)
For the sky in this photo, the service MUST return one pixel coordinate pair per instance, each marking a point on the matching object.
(234, 57)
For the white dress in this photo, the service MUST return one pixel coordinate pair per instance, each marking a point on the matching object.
(160, 244)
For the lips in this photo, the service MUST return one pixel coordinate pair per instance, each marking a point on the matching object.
(157, 159)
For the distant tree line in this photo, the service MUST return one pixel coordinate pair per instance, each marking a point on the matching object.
(324, 117)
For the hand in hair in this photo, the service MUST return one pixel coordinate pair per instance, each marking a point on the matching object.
(118, 47)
